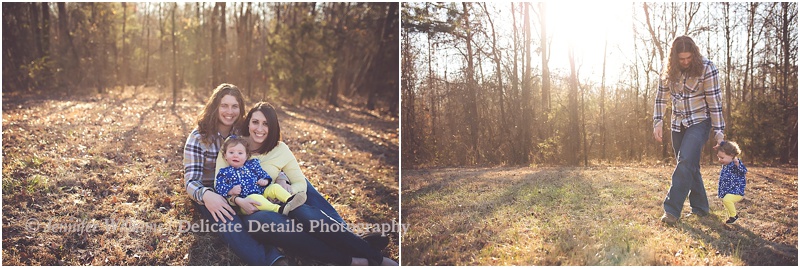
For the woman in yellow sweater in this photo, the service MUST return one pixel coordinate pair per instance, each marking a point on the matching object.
(262, 132)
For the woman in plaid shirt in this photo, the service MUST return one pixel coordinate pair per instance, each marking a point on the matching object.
(223, 109)
(690, 81)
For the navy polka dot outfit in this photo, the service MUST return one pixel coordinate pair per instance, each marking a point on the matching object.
(246, 176)
(732, 179)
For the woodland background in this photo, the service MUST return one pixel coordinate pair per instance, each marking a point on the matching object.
(98, 99)
(298, 50)
(503, 104)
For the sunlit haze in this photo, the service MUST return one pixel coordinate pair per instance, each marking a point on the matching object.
(586, 26)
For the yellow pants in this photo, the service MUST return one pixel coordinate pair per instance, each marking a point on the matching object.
(273, 191)
(728, 201)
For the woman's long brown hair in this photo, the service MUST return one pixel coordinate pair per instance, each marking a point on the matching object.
(673, 70)
(208, 120)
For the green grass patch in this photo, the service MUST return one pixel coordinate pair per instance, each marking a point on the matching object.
(574, 216)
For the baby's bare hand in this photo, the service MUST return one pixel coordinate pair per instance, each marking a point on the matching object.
(236, 190)
(262, 182)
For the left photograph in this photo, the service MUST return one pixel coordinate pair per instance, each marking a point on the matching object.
(200, 134)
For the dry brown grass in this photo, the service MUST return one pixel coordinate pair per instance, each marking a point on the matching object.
(88, 158)
(590, 216)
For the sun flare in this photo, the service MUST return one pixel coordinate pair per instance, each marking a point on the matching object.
(586, 26)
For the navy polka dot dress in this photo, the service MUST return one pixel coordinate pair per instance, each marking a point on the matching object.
(732, 179)
(246, 176)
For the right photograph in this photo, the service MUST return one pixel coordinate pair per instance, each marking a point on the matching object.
(599, 133)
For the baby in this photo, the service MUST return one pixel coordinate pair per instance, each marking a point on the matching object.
(731, 178)
(255, 183)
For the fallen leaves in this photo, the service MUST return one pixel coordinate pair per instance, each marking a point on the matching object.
(119, 155)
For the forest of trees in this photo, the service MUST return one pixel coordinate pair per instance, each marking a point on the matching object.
(297, 51)
(503, 105)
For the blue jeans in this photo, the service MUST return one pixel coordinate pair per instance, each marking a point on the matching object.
(315, 199)
(318, 224)
(242, 243)
(686, 179)
(279, 230)
(336, 245)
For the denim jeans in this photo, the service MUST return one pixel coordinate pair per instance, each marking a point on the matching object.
(333, 233)
(242, 244)
(686, 179)
(335, 245)
(315, 199)
(279, 230)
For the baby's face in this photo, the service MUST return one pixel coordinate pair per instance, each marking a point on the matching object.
(236, 155)
(724, 158)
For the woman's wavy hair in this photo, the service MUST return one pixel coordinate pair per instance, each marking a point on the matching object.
(680, 45)
(208, 120)
(274, 134)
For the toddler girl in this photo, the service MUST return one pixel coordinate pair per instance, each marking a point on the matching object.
(255, 182)
(731, 178)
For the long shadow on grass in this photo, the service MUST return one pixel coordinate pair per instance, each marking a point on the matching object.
(184, 129)
(576, 219)
(465, 236)
(361, 143)
(128, 135)
(750, 247)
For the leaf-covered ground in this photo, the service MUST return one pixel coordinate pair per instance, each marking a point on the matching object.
(89, 162)
(590, 216)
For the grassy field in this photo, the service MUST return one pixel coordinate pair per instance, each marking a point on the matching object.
(590, 216)
(93, 159)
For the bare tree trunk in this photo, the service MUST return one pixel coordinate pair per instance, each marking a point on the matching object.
(545, 59)
(47, 72)
(124, 72)
(573, 141)
(472, 108)
(337, 78)
(661, 56)
(603, 104)
(384, 37)
(33, 12)
(215, 54)
(174, 58)
(750, 29)
(223, 43)
(434, 97)
(526, 102)
(728, 66)
(514, 99)
(75, 65)
(788, 93)
(498, 70)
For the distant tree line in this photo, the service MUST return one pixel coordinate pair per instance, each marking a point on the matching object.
(297, 50)
(503, 104)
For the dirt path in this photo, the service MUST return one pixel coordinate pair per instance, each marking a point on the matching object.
(116, 159)
(590, 216)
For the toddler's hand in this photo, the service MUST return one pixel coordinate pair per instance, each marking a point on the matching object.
(262, 182)
(236, 190)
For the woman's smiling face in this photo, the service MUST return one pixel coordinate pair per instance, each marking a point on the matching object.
(228, 110)
(258, 127)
